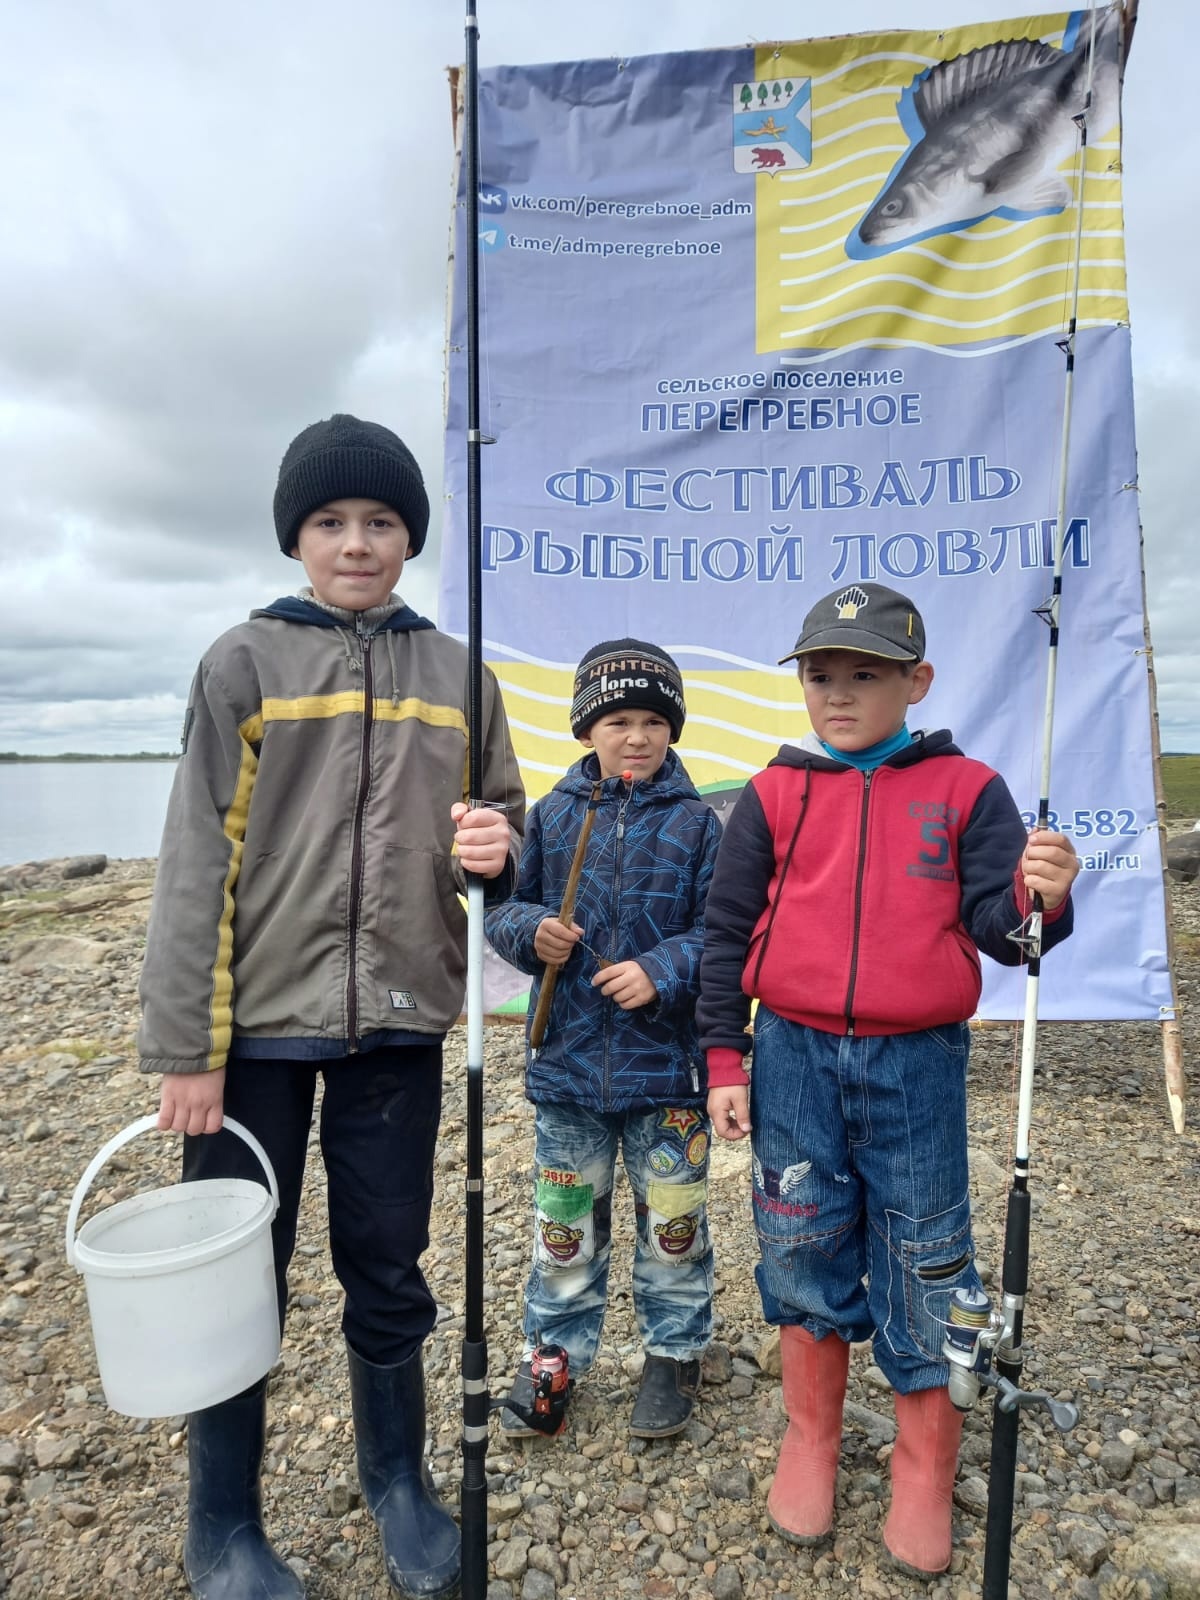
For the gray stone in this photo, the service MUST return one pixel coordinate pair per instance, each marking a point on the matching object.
(1116, 1458)
(514, 1557)
(1087, 1546)
(31, 957)
(727, 1583)
(538, 1585)
(77, 1514)
(1173, 1551)
(971, 1494)
(717, 1364)
(545, 1523)
(878, 1428)
(1183, 857)
(85, 866)
(543, 1559)
(735, 1483)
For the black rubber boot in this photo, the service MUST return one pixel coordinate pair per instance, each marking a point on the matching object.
(665, 1399)
(226, 1555)
(420, 1537)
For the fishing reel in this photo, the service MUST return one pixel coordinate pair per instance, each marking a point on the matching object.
(976, 1332)
(546, 1411)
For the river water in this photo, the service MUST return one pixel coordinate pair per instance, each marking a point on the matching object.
(76, 808)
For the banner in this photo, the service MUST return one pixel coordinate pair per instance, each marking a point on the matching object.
(761, 322)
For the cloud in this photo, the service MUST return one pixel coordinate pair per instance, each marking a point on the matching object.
(226, 223)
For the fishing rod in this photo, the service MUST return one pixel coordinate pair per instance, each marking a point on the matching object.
(978, 1331)
(537, 1029)
(475, 1404)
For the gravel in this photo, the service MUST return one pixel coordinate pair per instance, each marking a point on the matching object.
(92, 1504)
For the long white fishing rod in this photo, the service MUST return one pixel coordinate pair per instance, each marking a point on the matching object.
(1015, 1276)
(473, 1499)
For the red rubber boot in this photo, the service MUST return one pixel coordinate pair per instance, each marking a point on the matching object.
(800, 1505)
(924, 1464)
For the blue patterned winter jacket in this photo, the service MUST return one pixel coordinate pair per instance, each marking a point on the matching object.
(641, 896)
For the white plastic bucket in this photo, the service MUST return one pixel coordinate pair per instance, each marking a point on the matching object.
(180, 1286)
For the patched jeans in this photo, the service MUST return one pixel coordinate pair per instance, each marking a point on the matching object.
(665, 1152)
(861, 1195)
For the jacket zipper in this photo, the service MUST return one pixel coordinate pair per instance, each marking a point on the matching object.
(618, 853)
(356, 851)
(858, 893)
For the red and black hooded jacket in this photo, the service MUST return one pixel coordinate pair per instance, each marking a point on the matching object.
(857, 902)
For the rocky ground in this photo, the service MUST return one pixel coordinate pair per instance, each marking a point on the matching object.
(91, 1503)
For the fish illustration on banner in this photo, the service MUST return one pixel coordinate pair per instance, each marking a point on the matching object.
(993, 130)
(767, 323)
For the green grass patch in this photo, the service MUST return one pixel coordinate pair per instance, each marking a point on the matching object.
(1181, 784)
(86, 1049)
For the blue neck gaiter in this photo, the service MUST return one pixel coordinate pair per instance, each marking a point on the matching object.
(867, 760)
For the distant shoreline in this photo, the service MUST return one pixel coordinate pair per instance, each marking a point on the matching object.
(11, 757)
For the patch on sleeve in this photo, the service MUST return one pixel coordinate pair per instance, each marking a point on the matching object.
(189, 716)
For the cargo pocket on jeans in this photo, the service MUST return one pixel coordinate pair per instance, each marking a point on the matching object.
(564, 1226)
(676, 1230)
(931, 1270)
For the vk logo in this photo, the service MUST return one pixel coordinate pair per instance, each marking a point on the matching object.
(492, 199)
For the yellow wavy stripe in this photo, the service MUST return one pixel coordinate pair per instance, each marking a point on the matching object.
(736, 721)
(221, 1005)
(989, 281)
(350, 703)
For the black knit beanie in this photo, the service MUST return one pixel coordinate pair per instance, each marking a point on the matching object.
(345, 458)
(627, 673)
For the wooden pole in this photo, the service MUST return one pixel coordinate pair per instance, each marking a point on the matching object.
(541, 1016)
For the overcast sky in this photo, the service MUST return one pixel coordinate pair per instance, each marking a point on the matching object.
(222, 222)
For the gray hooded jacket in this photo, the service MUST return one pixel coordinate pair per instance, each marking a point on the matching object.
(306, 903)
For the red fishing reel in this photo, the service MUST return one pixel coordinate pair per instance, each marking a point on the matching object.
(541, 1400)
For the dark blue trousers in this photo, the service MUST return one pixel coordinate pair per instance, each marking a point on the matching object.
(379, 1123)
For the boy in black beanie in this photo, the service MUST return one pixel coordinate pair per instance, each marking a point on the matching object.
(306, 921)
(620, 1064)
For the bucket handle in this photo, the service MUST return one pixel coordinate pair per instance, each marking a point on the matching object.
(143, 1125)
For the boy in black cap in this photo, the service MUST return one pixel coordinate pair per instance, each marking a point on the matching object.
(306, 922)
(620, 1064)
(856, 878)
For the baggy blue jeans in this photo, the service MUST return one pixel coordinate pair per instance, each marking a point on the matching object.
(861, 1191)
(665, 1152)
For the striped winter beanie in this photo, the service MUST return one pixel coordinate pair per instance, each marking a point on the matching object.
(627, 672)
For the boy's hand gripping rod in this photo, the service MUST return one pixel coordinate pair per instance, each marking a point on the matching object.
(566, 911)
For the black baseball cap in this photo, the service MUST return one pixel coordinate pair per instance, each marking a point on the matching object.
(867, 617)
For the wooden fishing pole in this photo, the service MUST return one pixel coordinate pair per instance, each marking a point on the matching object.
(566, 911)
